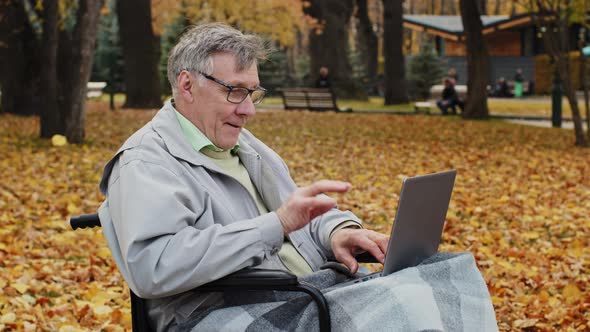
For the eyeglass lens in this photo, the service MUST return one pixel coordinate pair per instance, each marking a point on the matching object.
(237, 95)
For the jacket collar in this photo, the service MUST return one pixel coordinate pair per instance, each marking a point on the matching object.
(167, 126)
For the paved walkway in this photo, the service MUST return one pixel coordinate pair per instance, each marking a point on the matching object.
(544, 123)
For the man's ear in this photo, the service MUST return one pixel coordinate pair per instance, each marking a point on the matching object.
(184, 84)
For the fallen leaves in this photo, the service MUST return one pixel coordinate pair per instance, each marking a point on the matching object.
(521, 204)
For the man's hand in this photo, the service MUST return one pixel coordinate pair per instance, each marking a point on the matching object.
(304, 204)
(348, 242)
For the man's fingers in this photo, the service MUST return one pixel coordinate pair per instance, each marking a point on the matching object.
(344, 257)
(318, 205)
(325, 186)
(381, 240)
(372, 247)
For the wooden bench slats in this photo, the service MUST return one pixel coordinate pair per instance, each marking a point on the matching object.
(308, 98)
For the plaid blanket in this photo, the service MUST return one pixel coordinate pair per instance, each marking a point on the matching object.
(444, 293)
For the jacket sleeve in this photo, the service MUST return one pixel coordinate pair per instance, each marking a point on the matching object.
(321, 227)
(160, 252)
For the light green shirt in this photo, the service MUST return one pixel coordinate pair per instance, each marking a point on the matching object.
(229, 162)
(196, 137)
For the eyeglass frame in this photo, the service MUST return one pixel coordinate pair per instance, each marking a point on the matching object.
(232, 88)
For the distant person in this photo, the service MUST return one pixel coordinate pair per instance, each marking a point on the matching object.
(449, 99)
(324, 80)
(518, 80)
(452, 75)
(501, 88)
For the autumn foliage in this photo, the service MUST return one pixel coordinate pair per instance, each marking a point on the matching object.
(521, 204)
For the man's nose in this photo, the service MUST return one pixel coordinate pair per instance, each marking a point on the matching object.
(246, 107)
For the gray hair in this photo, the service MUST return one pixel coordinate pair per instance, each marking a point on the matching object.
(198, 44)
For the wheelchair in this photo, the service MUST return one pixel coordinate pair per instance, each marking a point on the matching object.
(249, 279)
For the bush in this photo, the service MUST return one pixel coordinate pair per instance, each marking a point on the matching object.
(425, 71)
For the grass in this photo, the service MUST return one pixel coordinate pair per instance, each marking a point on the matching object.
(537, 106)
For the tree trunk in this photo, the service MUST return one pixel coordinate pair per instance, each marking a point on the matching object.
(556, 42)
(497, 7)
(328, 45)
(513, 7)
(452, 8)
(19, 63)
(570, 93)
(395, 80)
(83, 44)
(584, 82)
(478, 62)
(142, 81)
(367, 40)
(51, 117)
(482, 7)
(409, 33)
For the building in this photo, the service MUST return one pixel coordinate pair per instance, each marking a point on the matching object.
(513, 42)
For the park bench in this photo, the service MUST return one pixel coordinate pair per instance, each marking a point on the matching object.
(249, 279)
(94, 89)
(436, 91)
(314, 99)
(436, 94)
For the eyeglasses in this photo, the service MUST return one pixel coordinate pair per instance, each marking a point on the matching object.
(237, 94)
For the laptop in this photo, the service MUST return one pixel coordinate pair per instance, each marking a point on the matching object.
(419, 221)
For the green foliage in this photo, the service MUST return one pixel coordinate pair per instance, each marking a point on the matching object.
(425, 71)
(273, 73)
(108, 58)
(167, 41)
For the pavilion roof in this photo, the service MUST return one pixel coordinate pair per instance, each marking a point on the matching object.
(451, 27)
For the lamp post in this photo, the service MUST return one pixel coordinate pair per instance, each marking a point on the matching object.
(556, 97)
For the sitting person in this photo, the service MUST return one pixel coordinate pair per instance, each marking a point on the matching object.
(501, 88)
(323, 80)
(193, 196)
(449, 98)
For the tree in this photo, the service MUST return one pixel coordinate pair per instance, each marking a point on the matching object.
(19, 60)
(425, 71)
(367, 40)
(51, 118)
(554, 18)
(167, 41)
(328, 43)
(478, 62)
(482, 7)
(108, 65)
(69, 54)
(140, 53)
(395, 81)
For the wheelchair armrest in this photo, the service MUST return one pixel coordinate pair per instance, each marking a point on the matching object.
(85, 220)
(265, 279)
(255, 277)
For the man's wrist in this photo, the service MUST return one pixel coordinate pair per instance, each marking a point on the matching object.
(346, 224)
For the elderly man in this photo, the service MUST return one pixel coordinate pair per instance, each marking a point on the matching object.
(193, 196)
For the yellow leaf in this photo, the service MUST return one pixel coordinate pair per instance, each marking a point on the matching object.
(524, 323)
(104, 253)
(8, 318)
(59, 140)
(532, 235)
(544, 296)
(571, 293)
(70, 328)
(21, 288)
(72, 208)
(101, 309)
